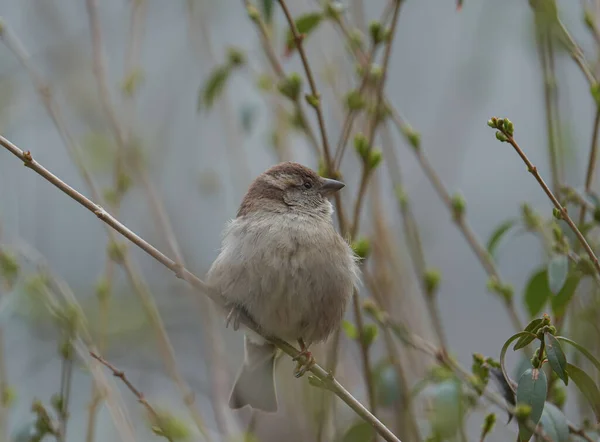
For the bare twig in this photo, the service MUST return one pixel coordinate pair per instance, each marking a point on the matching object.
(561, 209)
(137, 282)
(155, 417)
(377, 116)
(316, 97)
(322, 378)
(461, 222)
(589, 176)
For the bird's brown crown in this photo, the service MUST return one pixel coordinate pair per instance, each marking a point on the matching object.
(270, 186)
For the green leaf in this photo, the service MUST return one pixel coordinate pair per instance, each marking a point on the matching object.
(532, 328)
(561, 301)
(582, 349)
(267, 9)
(350, 329)
(369, 334)
(507, 344)
(359, 432)
(587, 387)
(556, 357)
(536, 293)
(558, 270)
(213, 87)
(387, 387)
(498, 234)
(305, 24)
(446, 411)
(532, 390)
(554, 423)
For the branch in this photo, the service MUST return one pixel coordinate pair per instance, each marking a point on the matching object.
(315, 99)
(505, 134)
(322, 377)
(137, 393)
(589, 176)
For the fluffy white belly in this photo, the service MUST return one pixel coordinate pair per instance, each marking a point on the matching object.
(293, 276)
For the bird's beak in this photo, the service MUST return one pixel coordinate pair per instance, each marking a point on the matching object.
(330, 186)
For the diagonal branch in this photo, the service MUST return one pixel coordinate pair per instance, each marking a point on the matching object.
(321, 377)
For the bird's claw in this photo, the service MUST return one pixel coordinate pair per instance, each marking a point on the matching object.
(233, 315)
(305, 361)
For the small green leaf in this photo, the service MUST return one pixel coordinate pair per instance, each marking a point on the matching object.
(446, 411)
(507, 344)
(558, 269)
(305, 24)
(213, 87)
(536, 293)
(556, 357)
(498, 234)
(582, 349)
(359, 432)
(554, 423)
(587, 387)
(561, 301)
(532, 390)
(350, 329)
(267, 10)
(532, 328)
(369, 334)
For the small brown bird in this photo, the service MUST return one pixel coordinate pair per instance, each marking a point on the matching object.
(283, 264)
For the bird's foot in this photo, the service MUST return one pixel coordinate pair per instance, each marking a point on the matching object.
(305, 361)
(234, 315)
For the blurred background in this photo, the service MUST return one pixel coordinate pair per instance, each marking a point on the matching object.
(166, 111)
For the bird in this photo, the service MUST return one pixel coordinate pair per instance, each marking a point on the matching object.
(284, 266)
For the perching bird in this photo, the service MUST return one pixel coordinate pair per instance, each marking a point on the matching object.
(284, 265)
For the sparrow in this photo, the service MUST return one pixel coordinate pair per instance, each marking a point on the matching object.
(284, 266)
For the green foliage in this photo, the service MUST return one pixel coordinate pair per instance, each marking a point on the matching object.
(497, 235)
(537, 293)
(488, 425)
(267, 10)
(587, 386)
(558, 269)
(360, 431)
(554, 423)
(532, 389)
(349, 329)
(305, 24)
(556, 357)
(431, 281)
(213, 87)
(361, 247)
(9, 268)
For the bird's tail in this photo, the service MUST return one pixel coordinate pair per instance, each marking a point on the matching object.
(255, 383)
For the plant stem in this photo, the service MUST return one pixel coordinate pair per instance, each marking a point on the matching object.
(311, 81)
(589, 176)
(327, 380)
(412, 236)
(138, 394)
(563, 211)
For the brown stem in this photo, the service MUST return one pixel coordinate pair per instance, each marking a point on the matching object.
(589, 176)
(461, 222)
(155, 417)
(311, 81)
(563, 211)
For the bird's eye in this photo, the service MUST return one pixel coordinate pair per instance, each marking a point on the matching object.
(307, 185)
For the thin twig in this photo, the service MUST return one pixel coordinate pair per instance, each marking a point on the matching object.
(325, 378)
(138, 284)
(155, 417)
(311, 81)
(563, 211)
(591, 167)
(412, 235)
(377, 116)
(461, 222)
